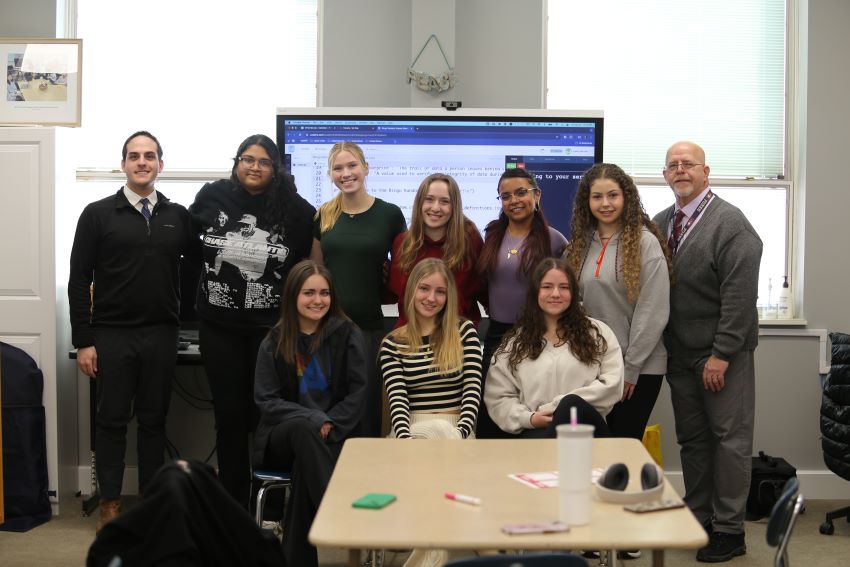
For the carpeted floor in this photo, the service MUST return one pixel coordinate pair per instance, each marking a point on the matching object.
(64, 541)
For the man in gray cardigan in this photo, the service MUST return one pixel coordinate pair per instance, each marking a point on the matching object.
(710, 338)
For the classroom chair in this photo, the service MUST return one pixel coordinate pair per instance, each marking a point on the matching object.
(782, 519)
(269, 480)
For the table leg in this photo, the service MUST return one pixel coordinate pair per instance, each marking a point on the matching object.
(657, 558)
(353, 558)
(608, 558)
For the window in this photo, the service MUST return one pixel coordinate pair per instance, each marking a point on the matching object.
(667, 70)
(201, 76)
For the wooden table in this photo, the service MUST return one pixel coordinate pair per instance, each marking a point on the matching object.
(420, 471)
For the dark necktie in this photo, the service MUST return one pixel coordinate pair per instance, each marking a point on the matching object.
(146, 210)
(676, 233)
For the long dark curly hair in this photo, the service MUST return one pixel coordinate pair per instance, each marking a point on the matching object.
(633, 218)
(575, 329)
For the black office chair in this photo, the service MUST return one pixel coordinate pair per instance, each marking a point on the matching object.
(835, 421)
(527, 560)
(782, 519)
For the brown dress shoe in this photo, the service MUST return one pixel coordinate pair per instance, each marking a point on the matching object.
(109, 510)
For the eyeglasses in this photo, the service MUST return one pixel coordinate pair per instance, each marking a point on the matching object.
(519, 193)
(686, 165)
(249, 161)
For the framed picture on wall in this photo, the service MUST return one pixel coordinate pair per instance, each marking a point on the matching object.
(43, 81)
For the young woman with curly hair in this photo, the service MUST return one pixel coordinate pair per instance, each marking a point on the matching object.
(554, 358)
(623, 268)
(439, 229)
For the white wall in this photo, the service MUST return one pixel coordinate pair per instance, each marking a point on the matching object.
(27, 18)
(495, 47)
(363, 53)
(500, 46)
(826, 197)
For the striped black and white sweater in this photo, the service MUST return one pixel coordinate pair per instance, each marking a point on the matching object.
(414, 385)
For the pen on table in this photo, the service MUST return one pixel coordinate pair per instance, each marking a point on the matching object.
(463, 498)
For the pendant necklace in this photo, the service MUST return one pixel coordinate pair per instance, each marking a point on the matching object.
(514, 246)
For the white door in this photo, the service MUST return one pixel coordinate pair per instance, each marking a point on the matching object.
(27, 263)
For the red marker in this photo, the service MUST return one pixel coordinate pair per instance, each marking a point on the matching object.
(463, 498)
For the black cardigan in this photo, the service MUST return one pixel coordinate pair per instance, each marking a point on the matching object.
(276, 385)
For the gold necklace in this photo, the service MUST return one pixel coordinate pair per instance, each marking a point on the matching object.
(514, 250)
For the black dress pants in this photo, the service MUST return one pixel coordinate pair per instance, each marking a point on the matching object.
(629, 418)
(230, 358)
(485, 428)
(135, 368)
(296, 446)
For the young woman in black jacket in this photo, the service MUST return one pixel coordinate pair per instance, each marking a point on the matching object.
(310, 386)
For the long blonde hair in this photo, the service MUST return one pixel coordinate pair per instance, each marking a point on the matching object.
(445, 338)
(329, 212)
(456, 250)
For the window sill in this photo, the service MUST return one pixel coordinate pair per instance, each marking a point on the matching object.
(783, 322)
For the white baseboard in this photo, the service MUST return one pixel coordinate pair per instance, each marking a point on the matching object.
(814, 484)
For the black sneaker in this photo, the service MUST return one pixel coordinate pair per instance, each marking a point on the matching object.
(629, 554)
(722, 547)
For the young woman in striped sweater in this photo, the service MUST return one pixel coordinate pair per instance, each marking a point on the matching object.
(431, 366)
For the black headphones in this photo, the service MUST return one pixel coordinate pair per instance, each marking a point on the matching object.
(611, 485)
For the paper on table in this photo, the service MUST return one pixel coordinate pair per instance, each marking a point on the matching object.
(546, 479)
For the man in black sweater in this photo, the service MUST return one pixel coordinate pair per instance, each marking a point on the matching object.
(124, 298)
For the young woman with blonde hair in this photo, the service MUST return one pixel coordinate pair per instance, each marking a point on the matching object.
(431, 365)
(439, 229)
(623, 268)
(431, 368)
(353, 234)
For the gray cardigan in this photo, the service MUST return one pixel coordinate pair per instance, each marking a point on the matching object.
(715, 285)
(638, 325)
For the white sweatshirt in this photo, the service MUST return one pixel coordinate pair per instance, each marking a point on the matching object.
(539, 385)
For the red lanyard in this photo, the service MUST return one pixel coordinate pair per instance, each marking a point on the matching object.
(602, 255)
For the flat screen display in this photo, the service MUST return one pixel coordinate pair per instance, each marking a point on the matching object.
(403, 146)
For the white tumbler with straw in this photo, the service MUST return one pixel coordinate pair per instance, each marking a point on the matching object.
(575, 455)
